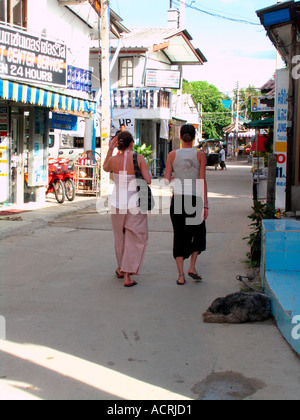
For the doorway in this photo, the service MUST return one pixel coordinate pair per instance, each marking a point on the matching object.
(19, 156)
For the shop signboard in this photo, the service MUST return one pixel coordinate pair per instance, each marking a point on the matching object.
(280, 135)
(64, 122)
(168, 79)
(27, 57)
(262, 104)
(79, 79)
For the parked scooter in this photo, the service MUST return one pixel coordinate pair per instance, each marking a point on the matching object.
(55, 181)
(68, 177)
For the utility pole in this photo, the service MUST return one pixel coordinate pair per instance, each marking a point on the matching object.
(106, 98)
(200, 110)
(237, 115)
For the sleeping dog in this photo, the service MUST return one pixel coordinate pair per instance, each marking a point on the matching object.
(239, 308)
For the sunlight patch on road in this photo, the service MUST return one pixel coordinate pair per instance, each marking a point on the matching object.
(91, 374)
(224, 196)
(16, 391)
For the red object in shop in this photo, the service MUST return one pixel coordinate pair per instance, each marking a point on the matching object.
(261, 144)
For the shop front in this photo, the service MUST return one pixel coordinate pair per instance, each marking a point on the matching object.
(24, 137)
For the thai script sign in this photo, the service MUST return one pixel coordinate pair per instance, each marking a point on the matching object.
(31, 58)
(79, 79)
(280, 135)
(167, 79)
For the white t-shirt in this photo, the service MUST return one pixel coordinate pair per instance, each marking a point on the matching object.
(223, 155)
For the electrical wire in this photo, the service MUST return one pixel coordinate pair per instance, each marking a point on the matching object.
(216, 15)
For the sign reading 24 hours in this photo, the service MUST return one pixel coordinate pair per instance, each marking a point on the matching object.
(26, 57)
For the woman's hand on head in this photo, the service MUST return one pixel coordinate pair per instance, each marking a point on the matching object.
(113, 143)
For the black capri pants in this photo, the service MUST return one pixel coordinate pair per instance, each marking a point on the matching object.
(189, 237)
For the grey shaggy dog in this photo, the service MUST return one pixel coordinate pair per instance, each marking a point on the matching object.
(239, 308)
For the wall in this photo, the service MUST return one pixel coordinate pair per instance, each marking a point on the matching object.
(155, 61)
(61, 24)
(296, 187)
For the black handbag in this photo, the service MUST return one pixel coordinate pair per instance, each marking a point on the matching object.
(146, 199)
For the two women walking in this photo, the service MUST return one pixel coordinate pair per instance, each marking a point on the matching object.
(189, 207)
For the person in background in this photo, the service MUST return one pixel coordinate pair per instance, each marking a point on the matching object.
(189, 206)
(162, 164)
(223, 158)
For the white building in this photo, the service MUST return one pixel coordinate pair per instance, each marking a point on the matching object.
(44, 66)
(146, 66)
(184, 107)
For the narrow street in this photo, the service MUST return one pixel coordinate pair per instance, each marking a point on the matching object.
(74, 332)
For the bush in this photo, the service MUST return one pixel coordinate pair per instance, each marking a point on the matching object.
(261, 211)
(144, 151)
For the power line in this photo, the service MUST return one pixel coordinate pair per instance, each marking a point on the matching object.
(216, 15)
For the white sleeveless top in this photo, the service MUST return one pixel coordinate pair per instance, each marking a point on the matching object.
(125, 195)
(186, 169)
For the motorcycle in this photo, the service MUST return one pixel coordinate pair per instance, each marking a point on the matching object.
(56, 181)
(68, 173)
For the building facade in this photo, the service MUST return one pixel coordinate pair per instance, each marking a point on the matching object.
(43, 44)
(146, 66)
(282, 23)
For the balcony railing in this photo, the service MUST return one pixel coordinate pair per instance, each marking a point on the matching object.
(138, 98)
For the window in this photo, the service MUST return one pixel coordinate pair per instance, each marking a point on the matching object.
(126, 72)
(14, 12)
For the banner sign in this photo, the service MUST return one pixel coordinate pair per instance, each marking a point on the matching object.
(167, 79)
(262, 104)
(280, 135)
(79, 79)
(32, 58)
(124, 117)
(64, 122)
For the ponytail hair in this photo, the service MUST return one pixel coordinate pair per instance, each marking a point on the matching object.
(124, 140)
(188, 133)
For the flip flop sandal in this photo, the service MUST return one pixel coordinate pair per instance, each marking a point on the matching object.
(178, 281)
(195, 276)
(120, 276)
(131, 284)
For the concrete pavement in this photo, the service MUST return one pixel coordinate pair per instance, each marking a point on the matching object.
(74, 332)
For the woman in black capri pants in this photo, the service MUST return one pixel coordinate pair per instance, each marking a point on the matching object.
(189, 207)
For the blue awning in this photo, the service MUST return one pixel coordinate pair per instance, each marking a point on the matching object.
(277, 17)
(45, 97)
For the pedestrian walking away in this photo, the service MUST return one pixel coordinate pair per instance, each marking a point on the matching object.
(130, 224)
(189, 206)
(162, 164)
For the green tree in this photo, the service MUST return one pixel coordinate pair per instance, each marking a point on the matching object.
(245, 105)
(216, 116)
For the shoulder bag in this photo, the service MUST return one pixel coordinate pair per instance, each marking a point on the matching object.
(146, 200)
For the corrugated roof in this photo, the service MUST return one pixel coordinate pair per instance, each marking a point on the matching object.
(146, 37)
(269, 88)
(180, 50)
